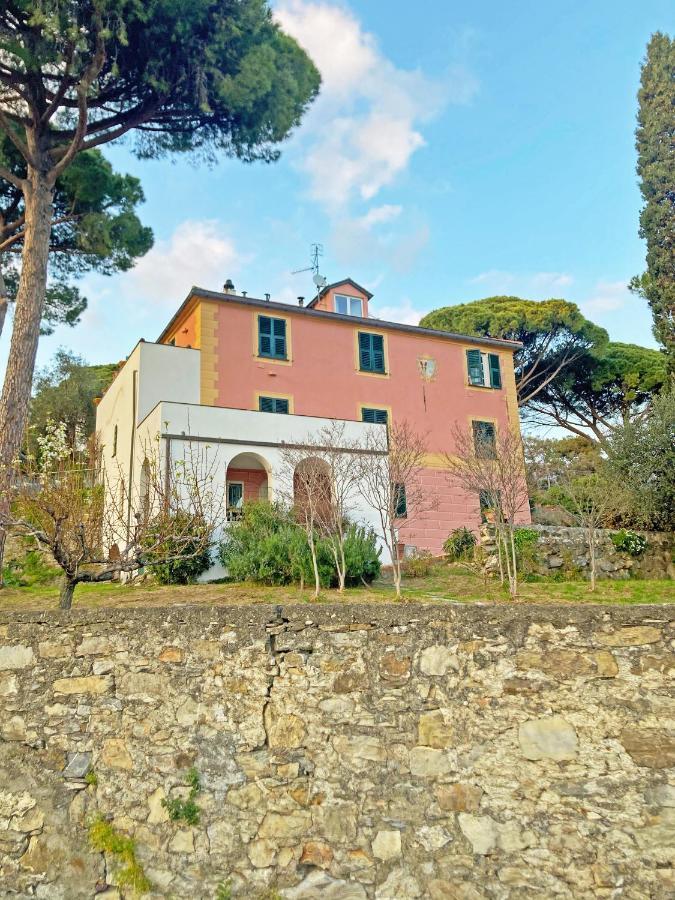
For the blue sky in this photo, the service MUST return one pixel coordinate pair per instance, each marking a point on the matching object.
(458, 150)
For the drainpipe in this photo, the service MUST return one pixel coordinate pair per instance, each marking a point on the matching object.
(132, 447)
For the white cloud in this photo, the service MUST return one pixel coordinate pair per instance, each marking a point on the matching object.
(378, 215)
(197, 253)
(607, 296)
(532, 285)
(404, 312)
(365, 127)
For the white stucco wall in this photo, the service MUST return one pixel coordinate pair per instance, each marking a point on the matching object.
(168, 414)
(248, 431)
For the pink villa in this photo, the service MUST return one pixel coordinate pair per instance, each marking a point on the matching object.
(249, 374)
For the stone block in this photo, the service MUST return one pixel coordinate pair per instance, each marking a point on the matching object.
(427, 762)
(459, 797)
(437, 660)
(387, 845)
(316, 853)
(282, 826)
(284, 730)
(481, 832)
(115, 754)
(78, 765)
(549, 738)
(91, 684)
(434, 730)
(653, 748)
(630, 636)
(94, 646)
(394, 668)
(16, 656)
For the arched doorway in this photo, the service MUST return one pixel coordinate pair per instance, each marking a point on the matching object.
(247, 480)
(312, 490)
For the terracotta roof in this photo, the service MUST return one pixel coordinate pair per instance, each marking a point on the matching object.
(196, 292)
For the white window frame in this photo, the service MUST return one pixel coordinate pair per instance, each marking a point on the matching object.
(350, 301)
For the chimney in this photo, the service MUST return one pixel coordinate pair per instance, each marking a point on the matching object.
(267, 298)
(228, 287)
(301, 301)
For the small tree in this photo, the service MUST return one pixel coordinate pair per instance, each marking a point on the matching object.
(492, 468)
(389, 482)
(338, 454)
(77, 512)
(304, 484)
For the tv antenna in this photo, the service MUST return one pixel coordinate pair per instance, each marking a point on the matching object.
(316, 251)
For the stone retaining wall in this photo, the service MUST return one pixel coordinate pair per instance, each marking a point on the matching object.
(394, 751)
(563, 549)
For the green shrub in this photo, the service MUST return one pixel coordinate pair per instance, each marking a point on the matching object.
(265, 545)
(186, 540)
(460, 544)
(630, 542)
(419, 564)
(28, 570)
(269, 547)
(181, 810)
(362, 555)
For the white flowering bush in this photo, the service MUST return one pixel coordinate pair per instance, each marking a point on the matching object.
(630, 542)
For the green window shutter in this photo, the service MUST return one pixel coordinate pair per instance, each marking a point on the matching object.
(378, 352)
(281, 406)
(400, 501)
(495, 371)
(279, 331)
(371, 352)
(264, 335)
(271, 337)
(374, 416)
(474, 365)
(484, 439)
(365, 354)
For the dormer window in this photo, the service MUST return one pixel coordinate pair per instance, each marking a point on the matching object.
(348, 306)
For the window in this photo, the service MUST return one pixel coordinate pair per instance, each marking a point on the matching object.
(374, 416)
(348, 306)
(273, 404)
(483, 369)
(371, 352)
(400, 501)
(114, 449)
(484, 440)
(235, 494)
(271, 337)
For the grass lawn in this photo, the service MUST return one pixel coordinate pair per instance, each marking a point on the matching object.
(444, 583)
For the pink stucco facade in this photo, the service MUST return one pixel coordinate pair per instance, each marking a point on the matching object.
(321, 377)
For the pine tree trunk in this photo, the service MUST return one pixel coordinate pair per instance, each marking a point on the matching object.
(591, 551)
(66, 595)
(30, 298)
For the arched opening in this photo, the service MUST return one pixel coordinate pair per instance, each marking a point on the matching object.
(312, 490)
(247, 480)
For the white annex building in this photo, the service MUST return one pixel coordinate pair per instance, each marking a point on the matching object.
(242, 447)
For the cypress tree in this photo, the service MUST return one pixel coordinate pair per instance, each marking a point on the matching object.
(655, 144)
